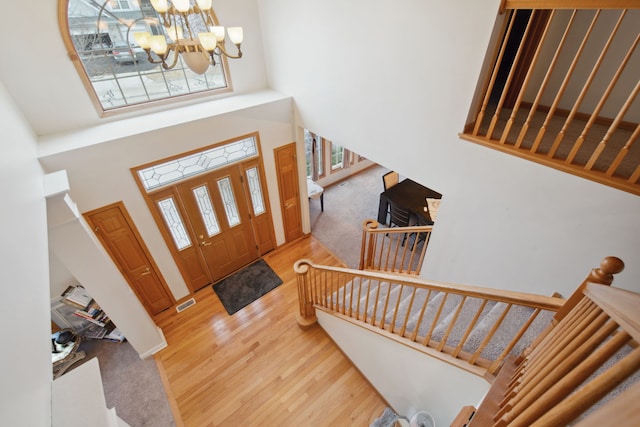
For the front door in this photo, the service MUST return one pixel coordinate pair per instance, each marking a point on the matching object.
(216, 207)
(118, 235)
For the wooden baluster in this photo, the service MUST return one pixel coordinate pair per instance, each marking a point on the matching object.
(435, 320)
(406, 317)
(545, 82)
(396, 308)
(616, 122)
(623, 152)
(537, 411)
(496, 364)
(603, 100)
(527, 79)
(452, 323)
(635, 176)
(486, 340)
(469, 329)
(565, 82)
(585, 88)
(505, 89)
(494, 74)
(564, 359)
(414, 335)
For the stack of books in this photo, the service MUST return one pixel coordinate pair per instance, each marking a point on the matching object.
(101, 326)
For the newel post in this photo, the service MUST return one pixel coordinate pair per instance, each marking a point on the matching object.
(306, 314)
(367, 249)
(602, 275)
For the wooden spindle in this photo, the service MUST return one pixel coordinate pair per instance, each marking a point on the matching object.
(494, 74)
(616, 122)
(527, 78)
(435, 320)
(623, 152)
(452, 323)
(470, 328)
(545, 82)
(565, 81)
(505, 89)
(587, 85)
(490, 335)
(496, 364)
(414, 335)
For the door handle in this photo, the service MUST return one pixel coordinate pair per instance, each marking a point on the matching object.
(205, 243)
(147, 271)
(288, 205)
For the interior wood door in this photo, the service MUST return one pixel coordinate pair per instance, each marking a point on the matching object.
(258, 202)
(216, 206)
(118, 235)
(287, 170)
(179, 235)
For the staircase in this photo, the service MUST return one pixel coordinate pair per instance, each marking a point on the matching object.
(487, 332)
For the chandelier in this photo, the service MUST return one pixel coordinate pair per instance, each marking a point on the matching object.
(193, 34)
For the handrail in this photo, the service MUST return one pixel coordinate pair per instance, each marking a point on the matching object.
(415, 311)
(395, 249)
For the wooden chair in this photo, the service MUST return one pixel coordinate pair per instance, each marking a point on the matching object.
(390, 179)
(399, 217)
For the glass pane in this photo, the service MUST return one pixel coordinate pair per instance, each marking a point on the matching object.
(255, 188)
(206, 210)
(337, 153)
(197, 163)
(102, 32)
(174, 222)
(229, 201)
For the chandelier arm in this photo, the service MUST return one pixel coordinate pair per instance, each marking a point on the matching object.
(221, 50)
(175, 48)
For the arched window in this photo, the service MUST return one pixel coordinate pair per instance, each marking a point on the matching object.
(100, 38)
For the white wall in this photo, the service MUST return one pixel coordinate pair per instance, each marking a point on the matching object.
(99, 173)
(25, 393)
(410, 381)
(394, 82)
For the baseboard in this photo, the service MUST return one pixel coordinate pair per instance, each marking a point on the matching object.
(157, 348)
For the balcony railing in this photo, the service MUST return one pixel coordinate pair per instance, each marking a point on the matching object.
(562, 89)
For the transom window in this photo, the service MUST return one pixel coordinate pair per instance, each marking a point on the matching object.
(114, 68)
(193, 164)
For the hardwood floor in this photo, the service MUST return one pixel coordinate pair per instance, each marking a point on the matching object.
(258, 367)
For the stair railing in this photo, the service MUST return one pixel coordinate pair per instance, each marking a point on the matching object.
(418, 313)
(585, 371)
(394, 250)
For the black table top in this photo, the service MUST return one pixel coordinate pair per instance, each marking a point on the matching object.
(412, 196)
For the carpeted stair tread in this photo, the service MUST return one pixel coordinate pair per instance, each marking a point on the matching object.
(469, 310)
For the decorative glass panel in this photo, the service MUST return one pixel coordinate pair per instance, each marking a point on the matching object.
(197, 163)
(255, 188)
(174, 222)
(102, 32)
(229, 201)
(206, 210)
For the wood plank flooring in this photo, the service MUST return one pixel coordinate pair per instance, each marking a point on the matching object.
(257, 367)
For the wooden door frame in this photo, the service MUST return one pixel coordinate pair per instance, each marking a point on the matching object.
(158, 218)
(120, 205)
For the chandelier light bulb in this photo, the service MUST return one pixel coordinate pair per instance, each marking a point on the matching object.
(204, 4)
(218, 31)
(159, 45)
(160, 5)
(208, 41)
(181, 5)
(235, 34)
(143, 39)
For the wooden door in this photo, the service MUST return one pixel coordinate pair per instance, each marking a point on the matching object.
(118, 235)
(258, 202)
(217, 210)
(178, 234)
(287, 170)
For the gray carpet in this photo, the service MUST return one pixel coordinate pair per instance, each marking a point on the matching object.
(346, 205)
(247, 285)
(131, 385)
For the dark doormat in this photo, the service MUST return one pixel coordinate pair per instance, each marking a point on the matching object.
(247, 285)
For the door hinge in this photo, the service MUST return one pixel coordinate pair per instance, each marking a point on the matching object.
(241, 179)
